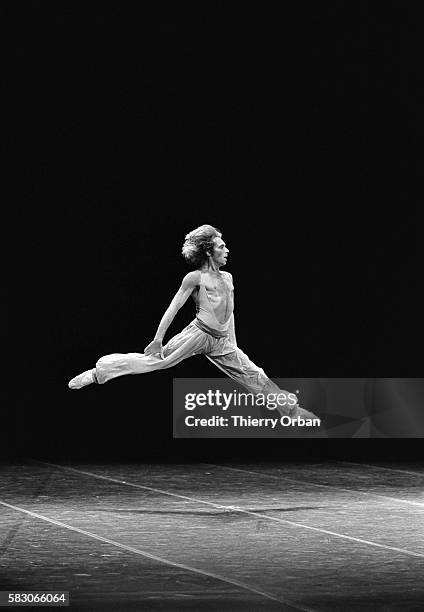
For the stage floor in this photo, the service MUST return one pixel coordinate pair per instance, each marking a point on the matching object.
(329, 537)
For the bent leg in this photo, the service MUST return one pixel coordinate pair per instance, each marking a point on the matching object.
(190, 341)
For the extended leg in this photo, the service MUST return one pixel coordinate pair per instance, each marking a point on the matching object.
(240, 368)
(190, 341)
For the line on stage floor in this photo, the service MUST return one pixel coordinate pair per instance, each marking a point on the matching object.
(143, 553)
(236, 508)
(383, 467)
(317, 484)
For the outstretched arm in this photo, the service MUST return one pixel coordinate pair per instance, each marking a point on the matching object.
(190, 281)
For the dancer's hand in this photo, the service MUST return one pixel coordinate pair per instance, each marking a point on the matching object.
(154, 348)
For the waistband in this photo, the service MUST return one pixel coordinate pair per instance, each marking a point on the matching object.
(212, 332)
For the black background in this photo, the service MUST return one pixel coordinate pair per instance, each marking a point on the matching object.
(294, 131)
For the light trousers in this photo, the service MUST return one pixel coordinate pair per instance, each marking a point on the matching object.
(191, 341)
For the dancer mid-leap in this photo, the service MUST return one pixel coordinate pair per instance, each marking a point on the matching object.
(211, 333)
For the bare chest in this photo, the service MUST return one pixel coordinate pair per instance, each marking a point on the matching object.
(218, 286)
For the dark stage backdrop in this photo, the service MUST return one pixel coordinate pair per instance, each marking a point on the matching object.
(295, 134)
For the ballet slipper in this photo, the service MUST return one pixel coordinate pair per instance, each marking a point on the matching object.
(82, 380)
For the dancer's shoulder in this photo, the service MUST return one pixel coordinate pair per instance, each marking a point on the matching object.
(227, 274)
(192, 279)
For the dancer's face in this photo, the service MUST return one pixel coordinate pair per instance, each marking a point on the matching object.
(220, 252)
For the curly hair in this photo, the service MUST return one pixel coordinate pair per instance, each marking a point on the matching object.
(197, 243)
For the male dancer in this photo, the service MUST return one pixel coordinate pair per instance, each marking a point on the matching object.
(211, 333)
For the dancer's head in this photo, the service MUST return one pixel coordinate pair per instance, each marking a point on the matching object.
(204, 244)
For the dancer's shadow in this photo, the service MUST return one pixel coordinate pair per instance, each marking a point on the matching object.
(236, 510)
